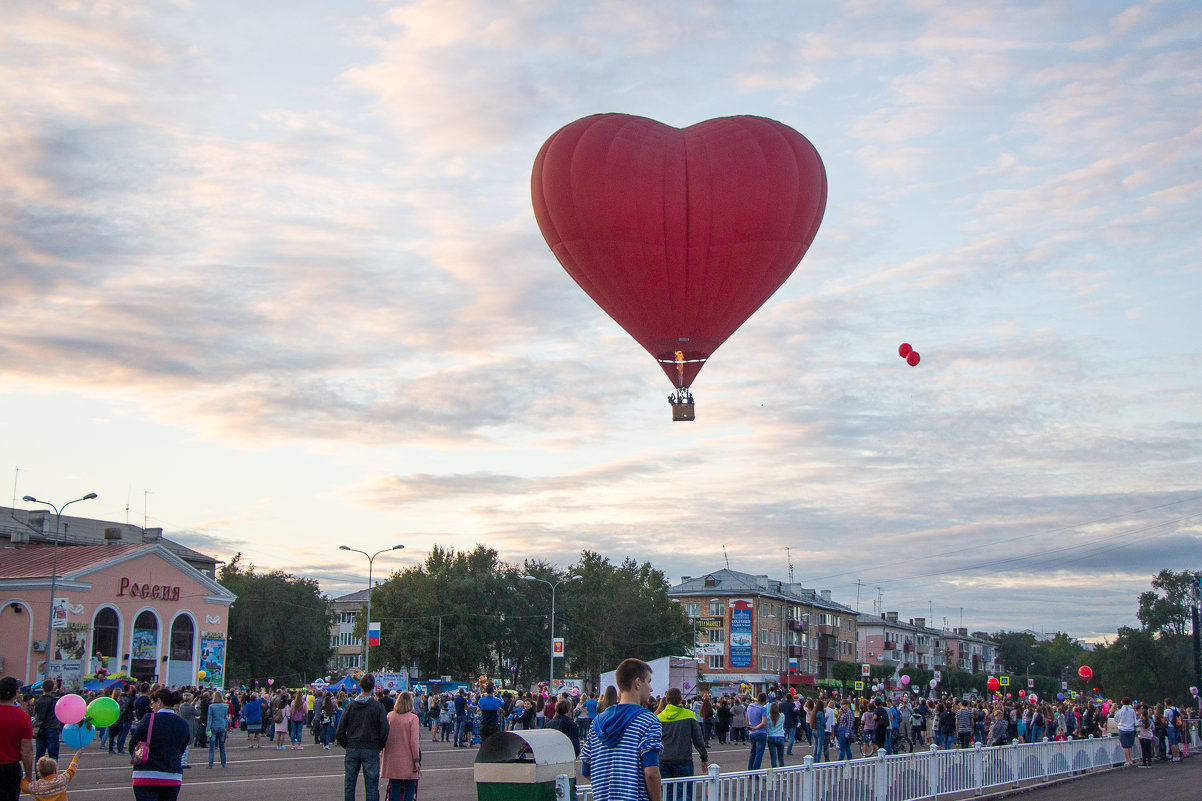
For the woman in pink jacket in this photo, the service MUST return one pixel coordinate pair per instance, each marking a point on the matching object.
(401, 760)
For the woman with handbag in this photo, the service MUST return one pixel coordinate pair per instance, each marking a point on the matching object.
(217, 725)
(157, 745)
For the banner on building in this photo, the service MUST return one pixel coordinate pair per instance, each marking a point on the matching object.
(212, 660)
(742, 631)
(59, 612)
(710, 648)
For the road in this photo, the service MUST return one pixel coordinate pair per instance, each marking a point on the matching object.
(316, 775)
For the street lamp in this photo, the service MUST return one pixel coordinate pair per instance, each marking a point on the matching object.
(58, 516)
(551, 676)
(366, 629)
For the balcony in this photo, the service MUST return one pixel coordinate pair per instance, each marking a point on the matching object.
(890, 645)
(794, 650)
(795, 625)
(908, 647)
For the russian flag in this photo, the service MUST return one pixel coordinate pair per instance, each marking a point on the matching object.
(373, 633)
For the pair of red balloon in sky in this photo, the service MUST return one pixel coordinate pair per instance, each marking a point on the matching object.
(909, 354)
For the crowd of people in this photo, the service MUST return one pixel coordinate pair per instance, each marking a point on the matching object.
(381, 731)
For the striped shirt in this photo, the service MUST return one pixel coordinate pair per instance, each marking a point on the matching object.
(616, 772)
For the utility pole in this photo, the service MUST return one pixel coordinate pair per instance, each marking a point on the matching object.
(1197, 598)
(858, 583)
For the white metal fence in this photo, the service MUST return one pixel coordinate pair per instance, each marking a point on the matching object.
(901, 777)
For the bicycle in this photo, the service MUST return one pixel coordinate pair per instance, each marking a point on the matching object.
(900, 744)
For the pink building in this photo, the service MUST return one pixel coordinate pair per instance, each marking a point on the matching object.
(133, 608)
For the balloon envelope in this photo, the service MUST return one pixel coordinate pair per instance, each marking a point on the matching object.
(678, 234)
(1085, 672)
(76, 736)
(103, 711)
(200, 674)
(993, 684)
(70, 708)
(913, 358)
(904, 349)
(1059, 696)
(905, 679)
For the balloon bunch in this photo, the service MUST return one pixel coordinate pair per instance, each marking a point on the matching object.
(81, 720)
(909, 354)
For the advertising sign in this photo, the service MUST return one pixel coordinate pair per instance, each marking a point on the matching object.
(398, 681)
(58, 615)
(212, 661)
(704, 623)
(710, 648)
(866, 670)
(1030, 684)
(742, 631)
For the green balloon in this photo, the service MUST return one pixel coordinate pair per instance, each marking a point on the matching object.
(103, 712)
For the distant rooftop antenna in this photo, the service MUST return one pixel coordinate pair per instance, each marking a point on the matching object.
(727, 558)
(789, 559)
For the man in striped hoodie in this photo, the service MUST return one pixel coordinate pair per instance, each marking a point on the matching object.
(621, 755)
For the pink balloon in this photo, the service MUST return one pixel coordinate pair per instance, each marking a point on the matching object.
(70, 709)
(913, 359)
(905, 679)
(904, 349)
(270, 682)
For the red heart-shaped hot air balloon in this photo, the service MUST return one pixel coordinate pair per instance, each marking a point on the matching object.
(679, 234)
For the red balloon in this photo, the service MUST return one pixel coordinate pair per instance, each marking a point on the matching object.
(1022, 693)
(904, 349)
(993, 684)
(913, 359)
(1085, 672)
(678, 234)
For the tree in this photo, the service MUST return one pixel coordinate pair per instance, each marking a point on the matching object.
(1166, 607)
(278, 628)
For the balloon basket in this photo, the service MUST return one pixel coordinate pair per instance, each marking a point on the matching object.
(682, 405)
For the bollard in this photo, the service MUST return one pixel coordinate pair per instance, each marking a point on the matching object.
(809, 784)
(563, 787)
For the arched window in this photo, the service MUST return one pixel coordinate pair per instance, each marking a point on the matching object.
(104, 632)
(181, 638)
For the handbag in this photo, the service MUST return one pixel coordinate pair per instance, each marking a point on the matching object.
(140, 754)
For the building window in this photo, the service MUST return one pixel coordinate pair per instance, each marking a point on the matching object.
(716, 608)
(717, 662)
(181, 639)
(104, 632)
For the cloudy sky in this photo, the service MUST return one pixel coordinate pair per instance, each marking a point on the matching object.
(271, 280)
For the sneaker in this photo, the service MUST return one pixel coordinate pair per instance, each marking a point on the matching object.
(1176, 759)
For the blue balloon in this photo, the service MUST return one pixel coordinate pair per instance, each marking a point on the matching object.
(75, 736)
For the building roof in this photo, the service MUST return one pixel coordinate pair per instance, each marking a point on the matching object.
(37, 562)
(864, 621)
(727, 582)
(357, 597)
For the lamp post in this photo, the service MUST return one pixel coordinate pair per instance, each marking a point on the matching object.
(551, 672)
(366, 629)
(58, 516)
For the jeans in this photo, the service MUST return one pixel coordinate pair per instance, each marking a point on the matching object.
(402, 789)
(47, 743)
(671, 770)
(1036, 734)
(217, 738)
(460, 723)
(296, 731)
(707, 730)
(759, 742)
(820, 745)
(118, 732)
(776, 751)
(790, 736)
(369, 760)
(844, 746)
(156, 792)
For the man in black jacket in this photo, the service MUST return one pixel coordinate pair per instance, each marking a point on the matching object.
(363, 732)
(46, 725)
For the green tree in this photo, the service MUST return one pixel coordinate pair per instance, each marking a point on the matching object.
(1166, 607)
(278, 628)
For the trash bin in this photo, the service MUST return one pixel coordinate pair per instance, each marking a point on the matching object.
(522, 765)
